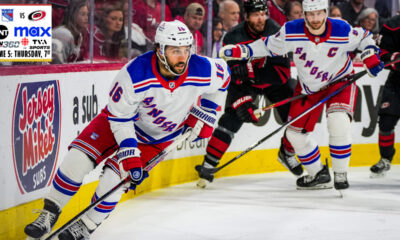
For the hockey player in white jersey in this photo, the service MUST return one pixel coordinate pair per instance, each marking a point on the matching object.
(153, 99)
(320, 47)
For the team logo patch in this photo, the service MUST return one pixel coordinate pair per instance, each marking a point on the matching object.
(7, 15)
(171, 84)
(385, 105)
(36, 133)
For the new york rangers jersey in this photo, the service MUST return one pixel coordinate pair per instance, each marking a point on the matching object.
(319, 60)
(152, 109)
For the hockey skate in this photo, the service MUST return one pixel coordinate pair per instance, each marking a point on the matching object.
(379, 169)
(290, 162)
(205, 174)
(79, 230)
(45, 222)
(340, 181)
(321, 180)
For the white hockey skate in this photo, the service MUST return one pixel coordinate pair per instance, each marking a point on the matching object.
(380, 169)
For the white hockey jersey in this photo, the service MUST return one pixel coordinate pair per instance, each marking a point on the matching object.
(319, 60)
(149, 108)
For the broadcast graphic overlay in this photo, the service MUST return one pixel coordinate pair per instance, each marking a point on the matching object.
(25, 33)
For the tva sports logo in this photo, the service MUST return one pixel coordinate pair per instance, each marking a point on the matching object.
(36, 133)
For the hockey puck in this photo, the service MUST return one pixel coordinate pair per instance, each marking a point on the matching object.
(201, 183)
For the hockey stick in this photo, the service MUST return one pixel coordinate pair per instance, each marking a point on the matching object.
(257, 112)
(355, 77)
(150, 164)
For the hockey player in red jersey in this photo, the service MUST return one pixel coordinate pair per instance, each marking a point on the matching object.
(320, 47)
(153, 99)
(389, 112)
(266, 77)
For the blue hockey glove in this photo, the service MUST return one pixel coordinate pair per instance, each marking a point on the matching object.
(372, 62)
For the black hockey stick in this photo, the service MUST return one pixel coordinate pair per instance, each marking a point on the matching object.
(355, 77)
(257, 112)
(150, 164)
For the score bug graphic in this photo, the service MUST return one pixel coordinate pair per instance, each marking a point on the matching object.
(29, 26)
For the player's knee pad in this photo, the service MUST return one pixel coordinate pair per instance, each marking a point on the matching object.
(301, 142)
(230, 121)
(387, 123)
(339, 128)
(76, 165)
(109, 179)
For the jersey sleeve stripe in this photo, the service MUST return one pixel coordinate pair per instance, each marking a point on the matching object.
(116, 119)
(145, 138)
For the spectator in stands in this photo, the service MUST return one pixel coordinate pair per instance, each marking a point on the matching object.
(139, 42)
(216, 4)
(148, 16)
(109, 33)
(369, 20)
(218, 33)
(229, 12)
(67, 38)
(57, 11)
(350, 10)
(386, 9)
(194, 18)
(293, 10)
(334, 12)
(276, 10)
(178, 7)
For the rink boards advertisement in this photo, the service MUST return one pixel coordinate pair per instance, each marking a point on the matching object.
(44, 110)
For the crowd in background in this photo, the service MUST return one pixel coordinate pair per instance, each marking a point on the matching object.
(110, 33)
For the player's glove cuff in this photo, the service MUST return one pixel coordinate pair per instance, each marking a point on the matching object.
(372, 62)
(235, 52)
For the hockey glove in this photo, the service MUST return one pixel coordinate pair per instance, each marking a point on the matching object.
(201, 122)
(234, 52)
(244, 107)
(372, 62)
(395, 66)
(243, 72)
(130, 164)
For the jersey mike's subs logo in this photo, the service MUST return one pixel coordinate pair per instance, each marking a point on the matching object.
(36, 133)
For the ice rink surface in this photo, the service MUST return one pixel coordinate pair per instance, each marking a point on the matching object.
(262, 207)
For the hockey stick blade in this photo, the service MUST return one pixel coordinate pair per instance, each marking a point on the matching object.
(354, 78)
(150, 164)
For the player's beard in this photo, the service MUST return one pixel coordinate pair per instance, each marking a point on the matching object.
(316, 25)
(174, 67)
(257, 27)
(179, 64)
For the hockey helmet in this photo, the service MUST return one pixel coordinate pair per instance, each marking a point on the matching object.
(313, 5)
(174, 33)
(254, 6)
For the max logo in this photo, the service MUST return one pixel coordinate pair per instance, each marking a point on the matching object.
(36, 134)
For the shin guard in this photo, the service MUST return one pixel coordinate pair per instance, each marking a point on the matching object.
(108, 180)
(339, 128)
(69, 177)
(218, 144)
(386, 144)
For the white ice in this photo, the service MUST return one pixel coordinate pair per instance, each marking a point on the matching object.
(262, 206)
